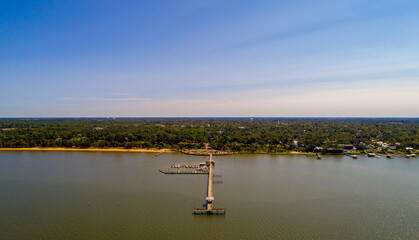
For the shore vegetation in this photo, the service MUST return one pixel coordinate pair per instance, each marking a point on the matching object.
(241, 135)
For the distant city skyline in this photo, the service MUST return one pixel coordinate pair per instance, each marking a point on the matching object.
(209, 59)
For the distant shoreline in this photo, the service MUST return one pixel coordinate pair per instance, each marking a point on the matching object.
(133, 150)
(159, 151)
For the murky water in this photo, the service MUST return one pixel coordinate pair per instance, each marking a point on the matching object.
(75, 195)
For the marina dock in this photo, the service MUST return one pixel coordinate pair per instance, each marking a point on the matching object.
(201, 168)
(183, 172)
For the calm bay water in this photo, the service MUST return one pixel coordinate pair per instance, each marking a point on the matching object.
(78, 195)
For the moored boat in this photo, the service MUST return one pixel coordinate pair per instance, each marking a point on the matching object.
(318, 157)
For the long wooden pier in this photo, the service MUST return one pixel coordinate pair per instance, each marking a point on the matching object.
(209, 200)
(201, 168)
(160, 153)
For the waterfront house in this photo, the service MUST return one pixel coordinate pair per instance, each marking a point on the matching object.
(317, 149)
(347, 146)
(334, 150)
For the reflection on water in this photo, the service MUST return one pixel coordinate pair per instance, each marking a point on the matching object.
(74, 195)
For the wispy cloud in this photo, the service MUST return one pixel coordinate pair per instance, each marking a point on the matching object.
(104, 99)
(10, 104)
(122, 94)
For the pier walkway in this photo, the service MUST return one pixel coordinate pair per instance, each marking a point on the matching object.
(209, 210)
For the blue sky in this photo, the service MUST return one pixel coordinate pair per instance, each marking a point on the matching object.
(209, 58)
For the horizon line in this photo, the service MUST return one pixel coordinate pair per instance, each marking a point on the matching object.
(218, 117)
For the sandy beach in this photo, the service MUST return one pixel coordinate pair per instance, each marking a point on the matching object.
(88, 149)
(302, 153)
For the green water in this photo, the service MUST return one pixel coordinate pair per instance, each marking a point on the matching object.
(75, 195)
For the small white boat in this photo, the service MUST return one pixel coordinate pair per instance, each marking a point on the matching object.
(371, 154)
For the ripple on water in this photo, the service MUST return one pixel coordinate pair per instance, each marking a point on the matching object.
(278, 199)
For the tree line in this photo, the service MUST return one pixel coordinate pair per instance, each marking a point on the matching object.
(238, 135)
